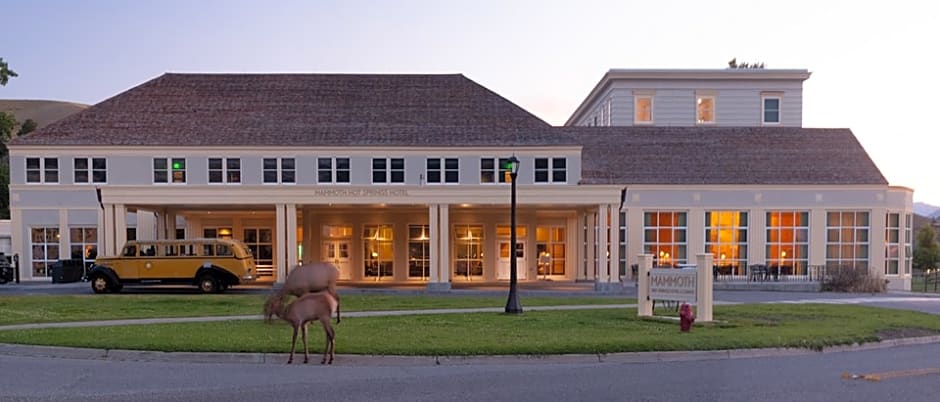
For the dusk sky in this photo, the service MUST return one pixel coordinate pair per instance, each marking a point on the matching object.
(874, 64)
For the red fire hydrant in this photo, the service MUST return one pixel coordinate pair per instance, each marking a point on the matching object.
(686, 317)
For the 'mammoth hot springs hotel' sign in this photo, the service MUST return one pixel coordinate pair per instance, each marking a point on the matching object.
(673, 284)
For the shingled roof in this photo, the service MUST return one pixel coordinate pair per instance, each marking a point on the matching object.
(723, 155)
(299, 110)
(447, 111)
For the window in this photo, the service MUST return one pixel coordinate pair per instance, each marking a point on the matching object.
(388, 170)
(169, 170)
(90, 170)
(705, 110)
(217, 232)
(327, 174)
(225, 170)
(379, 251)
(490, 173)
(261, 243)
(419, 251)
(892, 243)
(908, 240)
(45, 249)
(83, 243)
(278, 170)
(550, 249)
(623, 244)
(664, 236)
(726, 239)
(551, 170)
(643, 109)
(787, 241)
(468, 250)
(449, 166)
(771, 110)
(847, 239)
(42, 170)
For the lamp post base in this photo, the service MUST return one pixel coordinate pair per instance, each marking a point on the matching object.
(512, 305)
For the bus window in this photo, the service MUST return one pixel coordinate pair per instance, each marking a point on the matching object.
(130, 251)
(169, 250)
(207, 250)
(223, 250)
(147, 250)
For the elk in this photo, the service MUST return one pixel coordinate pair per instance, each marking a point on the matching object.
(303, 310)
(308, 278)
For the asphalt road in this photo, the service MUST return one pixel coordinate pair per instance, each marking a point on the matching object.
(815, 377)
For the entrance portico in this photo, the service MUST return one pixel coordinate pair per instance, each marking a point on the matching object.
(401, 234)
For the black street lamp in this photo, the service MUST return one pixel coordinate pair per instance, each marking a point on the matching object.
(512, 305)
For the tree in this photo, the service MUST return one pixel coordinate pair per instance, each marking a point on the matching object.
(5, 72)
(926, 250)
(7, 123)
(27, 127)
(734, 64)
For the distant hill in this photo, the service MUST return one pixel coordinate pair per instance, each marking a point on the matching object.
(927, 210)
(42, 112)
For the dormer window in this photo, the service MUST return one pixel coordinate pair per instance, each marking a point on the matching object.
(770, 110)
(643, 109)
(705, 110)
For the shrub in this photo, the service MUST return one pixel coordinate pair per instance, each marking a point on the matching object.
(855, 279)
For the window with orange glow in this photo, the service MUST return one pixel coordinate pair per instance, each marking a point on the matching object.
(419, 251)
(788, 242)
(643, 110)
(705, 109)
(892, 243)
(468, 250)
(550, 250)
(847, 238)
(664, 236)
(726, 239)
(378, 250)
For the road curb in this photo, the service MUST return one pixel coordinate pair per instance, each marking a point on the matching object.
(381, 360)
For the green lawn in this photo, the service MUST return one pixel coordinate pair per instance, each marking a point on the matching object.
(42, 309)
(539, 332)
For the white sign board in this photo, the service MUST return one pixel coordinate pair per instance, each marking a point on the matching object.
(673, 284)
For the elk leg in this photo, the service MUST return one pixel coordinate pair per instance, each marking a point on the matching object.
(293, 344)
(306, 356)
(330, 341)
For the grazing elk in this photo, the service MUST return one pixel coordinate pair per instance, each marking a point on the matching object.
(309, 307)
(309, 278)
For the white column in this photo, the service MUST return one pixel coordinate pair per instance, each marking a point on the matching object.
(18, 235)
(290, 210)
(280, 253)
(644, 306)
(615, 244)
(876, 242)
(444, 221)
(817, 237)
(146, 225)
(120, 227)
(591, 273)
(435, 243)
(603, 263)
(310, 249)
(170, 224)
(704, 290)
(634, 235)
(161, 224)
(65, 251)
(106, 233)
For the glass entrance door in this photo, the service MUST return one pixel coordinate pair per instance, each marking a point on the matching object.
(337, 252)
(503, 269)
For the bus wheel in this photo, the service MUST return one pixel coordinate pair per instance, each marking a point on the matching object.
(208, 284)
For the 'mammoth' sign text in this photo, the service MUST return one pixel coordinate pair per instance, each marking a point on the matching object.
(672, 284)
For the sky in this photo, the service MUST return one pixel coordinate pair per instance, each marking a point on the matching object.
(874, 64)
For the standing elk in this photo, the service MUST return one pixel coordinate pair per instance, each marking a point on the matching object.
(309, 278)
(303, 310)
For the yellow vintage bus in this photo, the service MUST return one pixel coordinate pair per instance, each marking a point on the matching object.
(211, 264)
